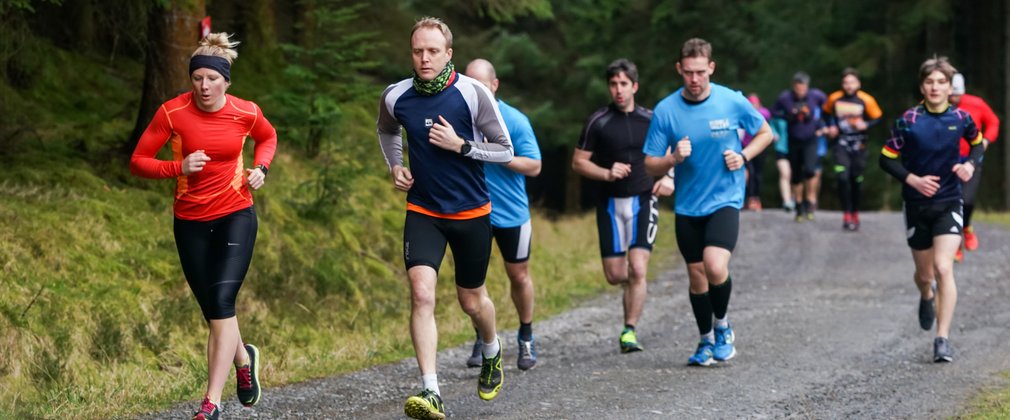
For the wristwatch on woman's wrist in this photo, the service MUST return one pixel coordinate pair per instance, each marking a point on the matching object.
(262, 168)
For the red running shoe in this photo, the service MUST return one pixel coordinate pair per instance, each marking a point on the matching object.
(208, 411)
(970, 240)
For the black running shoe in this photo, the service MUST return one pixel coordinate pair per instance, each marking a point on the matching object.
(475, 355)
(491, 376)
(942, 351)
(927, 312)
(248, 378)
(426, 405)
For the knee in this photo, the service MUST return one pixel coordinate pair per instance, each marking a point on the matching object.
(637, 273)
(618, 275)
(471, 302)
(716, 273)
(944, 270)
(422, 299)
(520, 279)
(924, 276)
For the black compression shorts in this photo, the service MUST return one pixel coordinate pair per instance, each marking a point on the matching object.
(627, 222)
(215, 257)
(719, 229)
(514, 242)
(425, 238)
(924, 221)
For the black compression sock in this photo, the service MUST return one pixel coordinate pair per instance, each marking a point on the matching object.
(969, 209)
(702, 307)
(629, 327)
(526, 331)
(720, 297)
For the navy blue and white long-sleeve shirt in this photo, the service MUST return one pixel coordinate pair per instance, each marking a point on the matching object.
(926, 143)
(446, 183)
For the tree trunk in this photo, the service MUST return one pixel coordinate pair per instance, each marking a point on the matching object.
(173, 33)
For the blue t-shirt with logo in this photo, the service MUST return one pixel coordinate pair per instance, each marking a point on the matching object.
(703, 183)
(509, 204)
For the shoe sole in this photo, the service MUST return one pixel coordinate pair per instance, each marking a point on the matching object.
(708, 362)
(943, 359)
(254, 358)
(531, 366)
(473, 362)
(418, 408)
(632, 349)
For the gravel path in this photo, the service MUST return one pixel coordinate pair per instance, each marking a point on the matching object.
(826, 328)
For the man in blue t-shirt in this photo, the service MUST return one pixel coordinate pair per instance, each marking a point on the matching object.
(701, 123)
(510, 214)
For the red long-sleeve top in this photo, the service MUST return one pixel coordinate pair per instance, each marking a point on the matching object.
(220, 188)
(985, 118)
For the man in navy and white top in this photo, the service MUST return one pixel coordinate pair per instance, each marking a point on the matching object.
(453, 126)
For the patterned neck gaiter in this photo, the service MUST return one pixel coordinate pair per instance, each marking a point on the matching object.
(433, 86)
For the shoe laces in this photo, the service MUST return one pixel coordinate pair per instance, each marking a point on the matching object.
(487, 367)
(244, 376)
(629, 336)
(207, 407)
(525, 349)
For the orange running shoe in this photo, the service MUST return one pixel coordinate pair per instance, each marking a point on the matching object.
(970, 240)
(959, 256)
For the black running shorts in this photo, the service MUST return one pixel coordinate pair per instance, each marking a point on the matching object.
(719, 229)
(924, 221)
(803, 159)
(627, 222)
(514, 242)
(215, 256)
(425, 238)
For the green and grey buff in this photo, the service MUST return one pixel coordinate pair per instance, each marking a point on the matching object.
(433, 86)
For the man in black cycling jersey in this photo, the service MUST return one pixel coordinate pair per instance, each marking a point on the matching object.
(610, 153)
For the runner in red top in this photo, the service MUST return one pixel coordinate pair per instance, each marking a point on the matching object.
(988, 124)
(215, 222)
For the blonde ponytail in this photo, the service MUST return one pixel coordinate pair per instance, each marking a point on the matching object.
(218, 45)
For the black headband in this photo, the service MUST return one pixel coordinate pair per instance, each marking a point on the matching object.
(210, 62)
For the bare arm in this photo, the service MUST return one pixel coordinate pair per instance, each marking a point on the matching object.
(582, 165)
(524, 165)
(761, 140)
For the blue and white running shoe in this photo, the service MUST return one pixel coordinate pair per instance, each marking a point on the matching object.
(704, 356)
(724, 349)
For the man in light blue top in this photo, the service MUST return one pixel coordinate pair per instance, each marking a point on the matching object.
(510, 214)
(700, 122)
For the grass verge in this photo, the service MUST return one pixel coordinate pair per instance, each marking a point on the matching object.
(991, 403)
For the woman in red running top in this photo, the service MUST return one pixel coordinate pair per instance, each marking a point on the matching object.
(215, 222)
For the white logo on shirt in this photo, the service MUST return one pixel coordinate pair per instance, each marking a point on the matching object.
(428, 122)
(722, 124)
